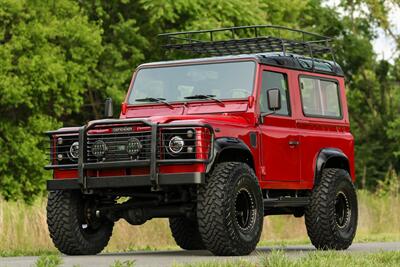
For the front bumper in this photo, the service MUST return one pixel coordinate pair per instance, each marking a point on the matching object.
(153, 179)
(127, 181)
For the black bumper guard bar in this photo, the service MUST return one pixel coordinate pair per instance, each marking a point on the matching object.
(153, 162)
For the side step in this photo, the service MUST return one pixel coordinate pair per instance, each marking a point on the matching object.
(285, 202)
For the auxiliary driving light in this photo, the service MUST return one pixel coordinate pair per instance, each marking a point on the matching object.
(190, 134)
(176, 144)
(134, 146)
(74, 150)
(99, 148)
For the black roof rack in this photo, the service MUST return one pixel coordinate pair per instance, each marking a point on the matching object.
(250, 40)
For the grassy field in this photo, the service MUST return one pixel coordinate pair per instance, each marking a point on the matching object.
(276, 258)
(312, 259)
(23, 229)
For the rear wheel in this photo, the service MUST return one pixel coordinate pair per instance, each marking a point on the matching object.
(186, 233)
(331, 217)
(72, 226)
(230, 210)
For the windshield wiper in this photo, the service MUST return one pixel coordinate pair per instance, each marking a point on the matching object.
(211, 97)
(155, 100)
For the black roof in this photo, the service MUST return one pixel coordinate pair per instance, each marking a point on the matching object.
(291, 48)
(289, 61)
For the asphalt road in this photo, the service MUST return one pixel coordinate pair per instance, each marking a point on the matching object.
(167, 258)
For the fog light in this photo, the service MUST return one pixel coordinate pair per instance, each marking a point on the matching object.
(176, 144)
(59, 141)
(190, 149)
(74, 150)
(60, 157)
(99, 148)
(134, 146)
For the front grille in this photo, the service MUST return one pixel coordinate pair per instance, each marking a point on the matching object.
(117, 146)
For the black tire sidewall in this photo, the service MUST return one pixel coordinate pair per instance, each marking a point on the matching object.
(344, 184)
(216, 210)
(185, 231)
(99, 234)
(64, 219)
(246, 181)
(320, 215)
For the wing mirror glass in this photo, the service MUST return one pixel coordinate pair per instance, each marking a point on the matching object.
(274, 99)
(274, 102)
(108, 108)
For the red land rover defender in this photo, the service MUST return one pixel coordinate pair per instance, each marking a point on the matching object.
(214, 144)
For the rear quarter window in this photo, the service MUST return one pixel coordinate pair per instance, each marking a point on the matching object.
(320, 97)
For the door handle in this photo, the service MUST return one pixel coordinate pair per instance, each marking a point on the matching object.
(294, 143)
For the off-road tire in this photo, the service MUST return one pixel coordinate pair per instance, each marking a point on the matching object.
(64, 220)
(186, 233)
(219, 199)
(331, 217)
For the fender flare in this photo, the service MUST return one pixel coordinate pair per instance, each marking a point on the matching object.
(223, 144)
(327, 157)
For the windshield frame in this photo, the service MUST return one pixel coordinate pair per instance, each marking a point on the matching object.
(189, 63)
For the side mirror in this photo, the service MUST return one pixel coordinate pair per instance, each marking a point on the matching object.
(274, 102)
(108, 108)
(274, 99)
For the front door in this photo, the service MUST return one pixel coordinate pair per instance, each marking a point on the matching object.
(280, 153)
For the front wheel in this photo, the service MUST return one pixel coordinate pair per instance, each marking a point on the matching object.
(230, 210)
(72, 227)
(331, 217)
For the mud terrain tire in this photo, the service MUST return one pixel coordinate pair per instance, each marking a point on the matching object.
(70, 233)
(186, 233)
(230, 210)
(331, 218)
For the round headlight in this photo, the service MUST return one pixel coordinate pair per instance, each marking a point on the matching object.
(74, 150)
(176, 144)
(134, 146)
(99, 148)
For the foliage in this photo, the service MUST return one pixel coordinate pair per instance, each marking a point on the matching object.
(390, 185)
(61, 59)
(278, 258)
(49, 261)
(43, 74)
(126, 263)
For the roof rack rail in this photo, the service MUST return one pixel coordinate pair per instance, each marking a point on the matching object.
(249, 40)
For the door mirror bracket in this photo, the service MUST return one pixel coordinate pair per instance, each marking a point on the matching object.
(265, 114)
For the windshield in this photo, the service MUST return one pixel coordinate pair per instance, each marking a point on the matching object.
(233, 80)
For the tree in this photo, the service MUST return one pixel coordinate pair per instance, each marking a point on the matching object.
(61, 59)
(43, 76)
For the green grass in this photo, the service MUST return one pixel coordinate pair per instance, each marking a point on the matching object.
(127, 263)
(278, 258)
(49, 261)
(56, 261)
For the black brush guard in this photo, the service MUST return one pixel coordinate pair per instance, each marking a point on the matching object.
(154, 179)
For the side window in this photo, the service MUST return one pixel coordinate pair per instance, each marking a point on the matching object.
(272, 80)
(320, 98)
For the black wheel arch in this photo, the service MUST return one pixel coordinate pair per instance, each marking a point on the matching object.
(231, 149)
(330, 158)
